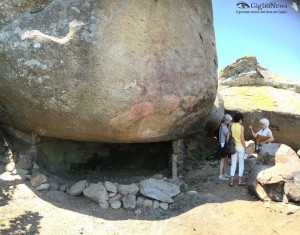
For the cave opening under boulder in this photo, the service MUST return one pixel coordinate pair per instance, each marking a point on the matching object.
(71, 158)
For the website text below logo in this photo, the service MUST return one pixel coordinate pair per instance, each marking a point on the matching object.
(261, 8)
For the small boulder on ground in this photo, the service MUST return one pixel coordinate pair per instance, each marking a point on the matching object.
(127, 189)
(77, 188)
(140, 201)
(118, 197)
(95, 192)
(129, 201)
(148, 203)
(116, 205)
(159, 190)
(38, 179)
(110, 187)
(164, 206)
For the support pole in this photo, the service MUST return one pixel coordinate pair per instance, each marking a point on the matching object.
(174, 166)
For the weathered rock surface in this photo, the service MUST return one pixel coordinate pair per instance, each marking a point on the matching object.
(38, 179)
(250, 161)
(21, 171)
(155, 204)
(11, 9)
(159, 190)
(249, 164)
(254, 187)
(104, 205)
(246, 71)
(140, 201)
(267, 102)
(107, 71)
(250, 145)
(164, 206)
(127, 189)
(24, 162)
(116, 205)
(215, 116)
(23, 137)
(102, 194)
(148, 203)
(129, 201)
(92, 192)
(118, 197)
(278, 174)
(42, 187)
(77, 188)
(110, 187)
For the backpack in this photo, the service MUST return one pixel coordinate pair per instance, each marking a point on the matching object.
(217, 132)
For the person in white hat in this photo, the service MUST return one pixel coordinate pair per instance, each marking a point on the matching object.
(264, 135)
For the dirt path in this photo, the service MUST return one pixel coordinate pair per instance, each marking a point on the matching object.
(216, 209)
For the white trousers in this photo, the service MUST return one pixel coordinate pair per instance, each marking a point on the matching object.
(235, 158)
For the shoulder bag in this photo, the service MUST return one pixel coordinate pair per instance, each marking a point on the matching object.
(231, 143)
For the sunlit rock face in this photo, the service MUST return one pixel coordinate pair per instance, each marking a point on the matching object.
(110, 71)
(248, 87)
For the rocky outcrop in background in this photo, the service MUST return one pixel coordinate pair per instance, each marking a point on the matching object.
(246, 71)
(109, 71)
(246, 88)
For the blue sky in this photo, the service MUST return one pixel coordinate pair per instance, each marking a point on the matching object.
(274, 38)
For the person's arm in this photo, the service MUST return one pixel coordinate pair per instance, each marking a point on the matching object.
(270, 139)
(228, 133)
(243, 138)
(253, 133)
(222, 134)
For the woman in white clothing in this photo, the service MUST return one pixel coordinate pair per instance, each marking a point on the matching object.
(264, 135)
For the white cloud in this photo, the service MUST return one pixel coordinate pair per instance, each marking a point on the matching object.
(295, 6)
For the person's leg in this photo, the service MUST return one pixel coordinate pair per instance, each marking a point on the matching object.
(233, 164)
(221, 166)
(233, 168)
(240, 153)
(221, 175)
(224, 166)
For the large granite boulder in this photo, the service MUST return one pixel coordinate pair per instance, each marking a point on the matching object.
(109, 71)
(246, 71)
(11, 9)
(276, 174)
(215, 116)
(281, 107)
